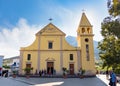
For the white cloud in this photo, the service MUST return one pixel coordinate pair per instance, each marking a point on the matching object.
(19, 36)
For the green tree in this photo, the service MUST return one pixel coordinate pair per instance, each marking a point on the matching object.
(107, 52)
(114, 11)
(110, 45)
(6, 67)
(114, 7)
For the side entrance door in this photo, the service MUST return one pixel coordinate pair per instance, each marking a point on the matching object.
(28, 66)
(71, 66)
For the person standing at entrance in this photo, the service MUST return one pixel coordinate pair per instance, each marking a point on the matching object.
(49, 72)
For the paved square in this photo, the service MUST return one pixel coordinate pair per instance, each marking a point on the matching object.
(22, 81)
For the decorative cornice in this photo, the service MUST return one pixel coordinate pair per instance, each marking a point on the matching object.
(86, 34)
(52, 35)
(51, 50)
(28, 62)
(50, 59)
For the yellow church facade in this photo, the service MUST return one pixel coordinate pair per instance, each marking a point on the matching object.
(50, 51)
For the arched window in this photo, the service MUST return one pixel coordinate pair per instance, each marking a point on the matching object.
(88, 30)
(83, 30)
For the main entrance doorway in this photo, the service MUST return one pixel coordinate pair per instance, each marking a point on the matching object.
(50, 67)
(71, 66)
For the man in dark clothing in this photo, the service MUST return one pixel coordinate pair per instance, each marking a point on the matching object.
(113, 79)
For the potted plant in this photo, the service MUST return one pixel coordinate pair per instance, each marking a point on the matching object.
(27, 71)
(14, 73)
(81, 73)
(64, 72)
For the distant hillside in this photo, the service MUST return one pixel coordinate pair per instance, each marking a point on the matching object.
(72, 41)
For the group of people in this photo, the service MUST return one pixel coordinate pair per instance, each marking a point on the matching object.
(42, 72)
(48, 72)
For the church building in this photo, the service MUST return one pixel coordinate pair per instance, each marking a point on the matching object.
(50, 51)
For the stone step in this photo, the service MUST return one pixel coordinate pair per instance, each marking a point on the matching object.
(56, 76)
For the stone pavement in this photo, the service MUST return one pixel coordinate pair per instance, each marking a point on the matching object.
(93, 81)
(10, 82)
(99, 80)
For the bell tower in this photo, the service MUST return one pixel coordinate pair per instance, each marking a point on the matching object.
(85, 43)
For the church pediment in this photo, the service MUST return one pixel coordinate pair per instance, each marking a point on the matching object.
(50, 29)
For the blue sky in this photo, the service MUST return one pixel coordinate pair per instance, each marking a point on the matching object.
(21, 19)
(38, 11)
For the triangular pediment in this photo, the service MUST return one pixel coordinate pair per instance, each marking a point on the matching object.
(50, 29)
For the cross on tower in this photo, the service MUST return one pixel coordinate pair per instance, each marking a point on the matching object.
(50, 19)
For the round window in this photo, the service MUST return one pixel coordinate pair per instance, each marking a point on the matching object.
(86, 40)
